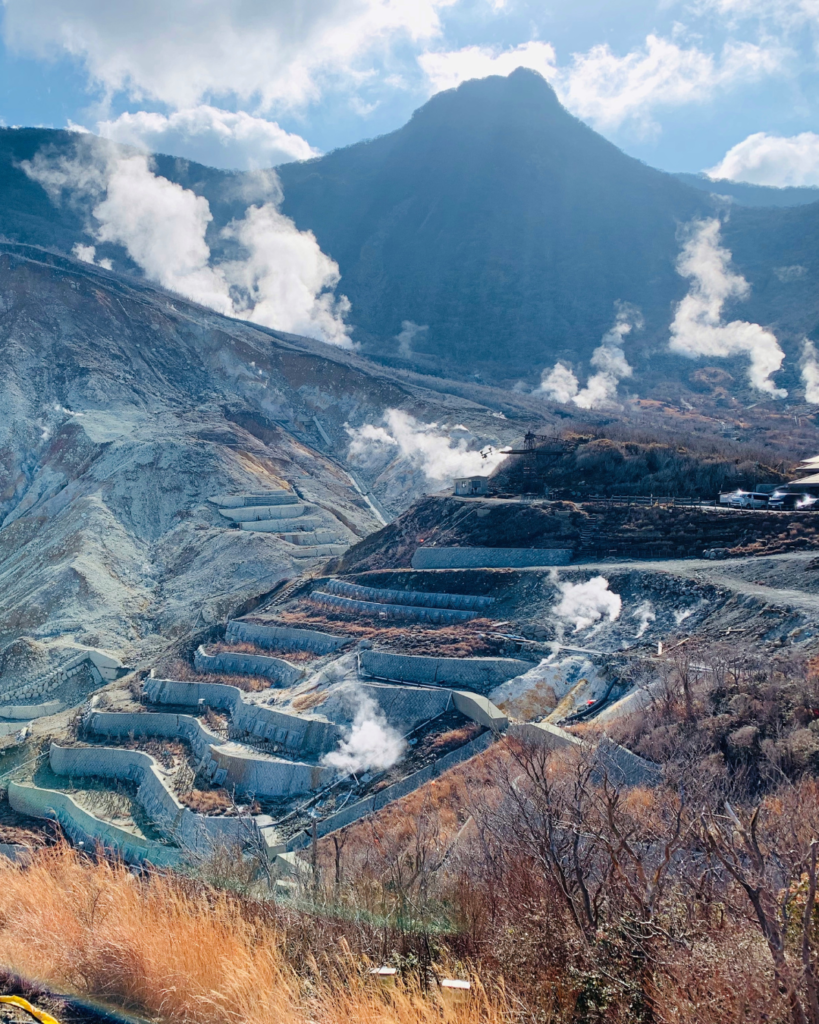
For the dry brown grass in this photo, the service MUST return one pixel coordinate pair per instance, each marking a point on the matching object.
(305, 701)
(176, 668)
(207, 801)
(184, 953)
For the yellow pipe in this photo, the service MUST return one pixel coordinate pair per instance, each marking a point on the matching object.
(44, 1018)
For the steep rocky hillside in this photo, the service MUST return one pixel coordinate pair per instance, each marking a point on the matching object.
(123, 409)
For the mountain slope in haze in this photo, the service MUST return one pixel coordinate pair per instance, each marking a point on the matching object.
(746, 194)
(500, 222)
(488, 238)
(123, 408)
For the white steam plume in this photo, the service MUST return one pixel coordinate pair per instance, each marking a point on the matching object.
(645, 615)
(698, 330)
(409, 332)
(284, 281)
(372, 743)
(441, 453)
(561, 385)
(810, 372)
(584, 604)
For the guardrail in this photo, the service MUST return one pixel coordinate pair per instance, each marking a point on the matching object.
(648, 500)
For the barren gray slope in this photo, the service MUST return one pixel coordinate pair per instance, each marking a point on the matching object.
(122, 408)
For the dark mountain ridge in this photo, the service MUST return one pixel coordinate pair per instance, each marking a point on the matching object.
(503, 229)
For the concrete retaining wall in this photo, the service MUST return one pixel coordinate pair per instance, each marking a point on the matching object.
(28, 712)
(391, 611)
(301, 734)
(283, 638)
(620, 766)
(348, 815)
(489, 558)
(467, 602)
(124, 724)
(479, 674)
(247, 774)
(407, 707)
(199, 833)
(258, 513)
(82, 827)
(281, 525)
(238, 663)
(480, 710)
(274, 497)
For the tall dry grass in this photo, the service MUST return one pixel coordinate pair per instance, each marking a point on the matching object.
(187, 953)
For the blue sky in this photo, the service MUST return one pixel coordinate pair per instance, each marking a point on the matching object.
(726, 84)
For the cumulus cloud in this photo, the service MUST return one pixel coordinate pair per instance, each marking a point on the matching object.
(607, 89)
(284, 280)
(441, 453)
(585, 604)
(810, 372)
(218, 138)
(561, 385)
(372, 743)
(778, 160)
(697, 328)
(181, 52)
(447, 69)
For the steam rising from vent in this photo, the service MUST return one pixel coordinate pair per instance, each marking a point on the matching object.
(561, 385)
(645, 615)
(409, 332)
(283, 281)
(585, 604)
(698, 330)
(372, 744)
(441, 453)
(810, 372)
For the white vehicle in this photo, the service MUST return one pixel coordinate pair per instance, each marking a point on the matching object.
(749, 499)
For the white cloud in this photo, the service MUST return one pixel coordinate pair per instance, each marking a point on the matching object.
(88, 254)
(764, 159)
(409, 332)
(217, 138)
(697, 328)
(181, 52)
(445, 70)
(810, 372)
(441, 453)
(608, 90)
(561, 385)
(284, 281)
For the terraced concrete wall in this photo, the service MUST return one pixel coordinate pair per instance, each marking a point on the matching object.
(268, 777)
(82, 827)
(468, 602)
(480, 710)
(196, 832)
(302, 734)
(479, 674)
(246, 774)
(260, 512)
(407, 707)
(278, 497)
(406, 613)
(123, 724)
(283, 638)
(489, 558)
(238, 663)
(285, 526)
(385, 796)
(28, 712)
(621, 766)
